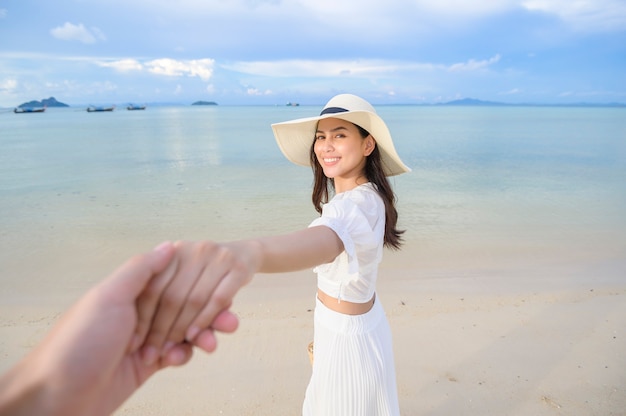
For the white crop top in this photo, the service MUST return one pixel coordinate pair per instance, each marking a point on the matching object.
(357, 216)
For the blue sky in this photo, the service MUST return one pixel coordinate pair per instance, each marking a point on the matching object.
(274, 51)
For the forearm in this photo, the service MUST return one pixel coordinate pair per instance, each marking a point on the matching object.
(299, 250)
(24, 392)
(209, 275)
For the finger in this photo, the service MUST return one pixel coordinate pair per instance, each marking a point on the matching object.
(148, 302)
(206, 340)
(126, 283)
(165, 302)
(226, 322)
(178, 355)
(220, 300)
(129, 280)
(217, 263)
(193, 258)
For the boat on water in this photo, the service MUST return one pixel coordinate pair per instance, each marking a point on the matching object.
(292, 104)
(135, 107)
(94, 109)
(19, 110)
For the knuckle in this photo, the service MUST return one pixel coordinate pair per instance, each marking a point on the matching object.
(195, 301)
(170, 301)
(177, 334)
(150, 292)
(155, 336)
(205, 247)
(221, 300)
(225, 255)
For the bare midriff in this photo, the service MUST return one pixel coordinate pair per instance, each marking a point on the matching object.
(343, 306)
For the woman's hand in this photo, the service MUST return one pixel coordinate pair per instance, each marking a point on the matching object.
(186, 301)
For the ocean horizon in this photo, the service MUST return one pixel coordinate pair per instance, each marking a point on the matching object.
(465, 102)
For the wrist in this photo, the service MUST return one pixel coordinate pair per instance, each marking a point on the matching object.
(249, 254)
(257, 255)
(26, 391)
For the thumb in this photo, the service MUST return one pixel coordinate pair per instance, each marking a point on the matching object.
(131, 278)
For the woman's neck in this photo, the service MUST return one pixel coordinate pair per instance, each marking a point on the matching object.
(349, 184)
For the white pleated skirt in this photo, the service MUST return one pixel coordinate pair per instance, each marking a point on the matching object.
(353, 366)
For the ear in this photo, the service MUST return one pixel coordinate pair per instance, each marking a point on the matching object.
(370, 145)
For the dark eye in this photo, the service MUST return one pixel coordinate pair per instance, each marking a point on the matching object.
(319, 137)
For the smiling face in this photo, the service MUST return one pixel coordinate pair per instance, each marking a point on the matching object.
(341, 151)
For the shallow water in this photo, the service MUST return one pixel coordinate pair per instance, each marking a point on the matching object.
(497, 184)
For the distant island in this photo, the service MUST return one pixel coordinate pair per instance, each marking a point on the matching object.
(46, 102)
(472, 102)
(204, 103)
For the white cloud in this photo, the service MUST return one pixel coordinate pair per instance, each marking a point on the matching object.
(390, 15)
(592, 15)
(8, 85)
(358, 68)
(78, 32)
(473, 65)
(123, 65)
(313, 68)
(3, 13)
(587, 15)
(257, 92)
(464, 8)
(202, 68)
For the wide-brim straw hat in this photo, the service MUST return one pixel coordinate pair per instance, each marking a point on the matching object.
(295, 137)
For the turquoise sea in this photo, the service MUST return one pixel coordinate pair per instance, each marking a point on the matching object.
(491, 187)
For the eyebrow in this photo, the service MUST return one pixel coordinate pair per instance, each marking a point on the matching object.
(333, 130)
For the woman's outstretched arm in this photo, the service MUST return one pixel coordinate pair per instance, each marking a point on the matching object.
(300, 250)
(208, 275)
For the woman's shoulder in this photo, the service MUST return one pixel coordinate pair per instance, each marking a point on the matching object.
(360, 208)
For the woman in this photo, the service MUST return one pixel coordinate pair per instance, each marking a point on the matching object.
(352, 153)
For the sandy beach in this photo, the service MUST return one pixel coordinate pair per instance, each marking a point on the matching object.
(533, 338)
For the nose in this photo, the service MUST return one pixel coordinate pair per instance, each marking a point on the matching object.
(327, 145)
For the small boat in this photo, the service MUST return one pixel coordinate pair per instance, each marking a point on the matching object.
(94, 109)
(19, 110)
(135, 107)
(290, 104)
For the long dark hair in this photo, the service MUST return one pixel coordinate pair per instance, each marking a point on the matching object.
(323, 187)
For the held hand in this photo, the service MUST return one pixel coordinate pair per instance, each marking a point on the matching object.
(89, 363)
(188, 299)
